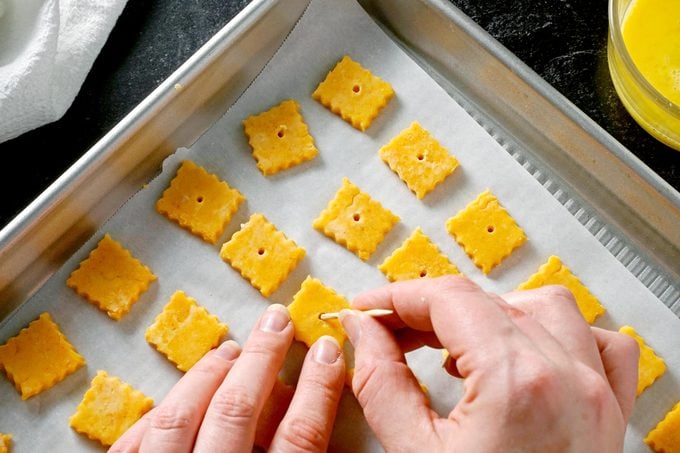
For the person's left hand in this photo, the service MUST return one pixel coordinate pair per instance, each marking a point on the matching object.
(215, 406)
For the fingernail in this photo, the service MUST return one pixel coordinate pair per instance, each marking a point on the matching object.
(229, 350)
(275, 319)
(352, 324)
(326, 350)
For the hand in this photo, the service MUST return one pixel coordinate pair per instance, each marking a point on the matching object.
(215, 406)
(537, 377)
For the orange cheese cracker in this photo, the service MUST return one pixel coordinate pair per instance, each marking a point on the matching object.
(38, 357)
(354, 93)
(5, 443)
(272, 413)
(279, 138)
(486, 231)
(554, 272)
(262, 254)
(418, 159)
(417, 257)
(355, 220)
(313, 299)
(650, 366)
(108, 408)
(184, 331)
(111, 278)
(665, 437)
(199, 201)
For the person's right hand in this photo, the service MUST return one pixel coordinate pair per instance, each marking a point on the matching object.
(537, 377)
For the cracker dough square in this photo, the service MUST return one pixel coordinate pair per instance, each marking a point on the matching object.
(279, 138)
(39, 357)
(199, 201)
(355, 220)
(5, 443)
(486, 231)
(262, 254)
(108, 408)
(313, 299)
(418, 159)
(554, 272)
(111, 278)
(665, 437)
(417, 257)
(650, 366)
(184, 331)
(354, 93)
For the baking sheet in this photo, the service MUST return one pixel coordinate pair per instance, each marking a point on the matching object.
(291, 200)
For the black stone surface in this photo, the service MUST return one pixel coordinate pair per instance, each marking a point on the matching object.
(564, 41)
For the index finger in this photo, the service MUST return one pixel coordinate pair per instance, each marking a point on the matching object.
(463, 316)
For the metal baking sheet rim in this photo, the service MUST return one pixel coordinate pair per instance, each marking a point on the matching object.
(35, 244)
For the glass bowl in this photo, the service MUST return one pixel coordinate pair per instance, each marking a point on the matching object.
(652, 110)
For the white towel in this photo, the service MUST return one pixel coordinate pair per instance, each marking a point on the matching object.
(47, 47)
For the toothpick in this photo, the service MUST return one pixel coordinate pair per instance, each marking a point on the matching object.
(374, 312)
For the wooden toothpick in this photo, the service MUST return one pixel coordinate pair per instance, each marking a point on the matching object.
(374, 312)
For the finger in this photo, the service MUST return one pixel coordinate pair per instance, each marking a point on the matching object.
(175, 422)
(449, 364)
(308, 423)
(410, 340)
(231, 418)
(620, 354)
(131, 440)
(394, 405)
(406, 298)
(554, 307)
(464, 318)
(542, 340)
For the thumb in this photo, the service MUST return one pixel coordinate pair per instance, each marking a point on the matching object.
(394, 405)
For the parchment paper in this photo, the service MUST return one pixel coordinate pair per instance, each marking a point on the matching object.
(291, 200)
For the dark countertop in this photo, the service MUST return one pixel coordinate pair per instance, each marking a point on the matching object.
(564, 41)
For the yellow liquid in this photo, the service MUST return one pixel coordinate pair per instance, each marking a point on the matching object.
(651, 32)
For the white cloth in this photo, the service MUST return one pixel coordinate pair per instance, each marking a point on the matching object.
(47, 47)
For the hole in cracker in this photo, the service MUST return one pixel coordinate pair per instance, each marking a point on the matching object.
(281, 132)
(356, 217)
(490, 229)
(423, 274)
(420, 156)
(356, 88)
(199, 199)
(260, 251)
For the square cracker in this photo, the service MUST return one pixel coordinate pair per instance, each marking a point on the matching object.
(650, 366)
(417, 257)
(108, 408)
(199, 201)
(279, 138)
(418, 159)
(38, 357)
(486, 231)
(262, 254)
(184, 331)
(355, 220)
(313, 299)
(554, 272)
(665, 437)
(5, 442)
(354, 93)
(111, 278)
